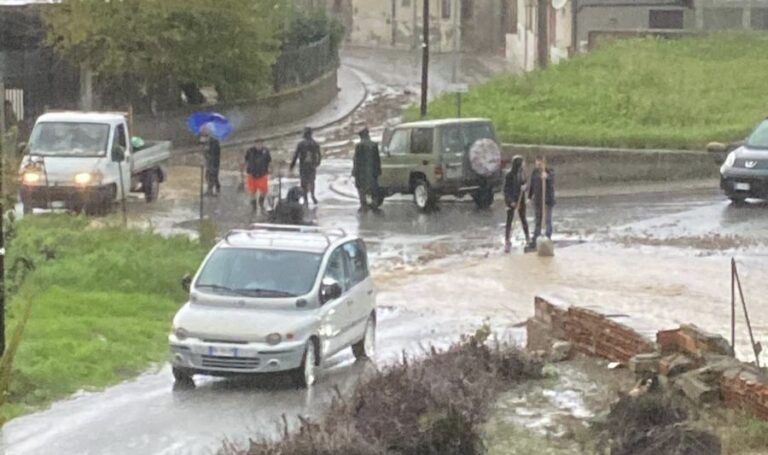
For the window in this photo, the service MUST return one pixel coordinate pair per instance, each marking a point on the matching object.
(398, 144)
(69, 139)
(259, 273)
(357, 260)
(421, 141)
(406, 3)
(665, 19)
(723, 18)
(120, 136)
(337, 269)
(759, 137)
(759, 19)
(445, 9)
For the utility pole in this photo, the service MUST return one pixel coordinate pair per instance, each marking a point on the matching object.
(425, 60)
(3, 152)
(456, 53)
(542, 39)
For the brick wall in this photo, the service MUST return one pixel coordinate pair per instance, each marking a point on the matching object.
(590, 332)
(741, 385)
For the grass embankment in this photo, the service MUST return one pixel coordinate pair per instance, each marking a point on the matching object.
(102, 301)
(645, 93)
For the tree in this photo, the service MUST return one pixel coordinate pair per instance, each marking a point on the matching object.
(149, 48)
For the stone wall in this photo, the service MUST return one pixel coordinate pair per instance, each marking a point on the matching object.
(285, 107)
(578, 167)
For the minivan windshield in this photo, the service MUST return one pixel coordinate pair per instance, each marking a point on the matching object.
(458, 138)
(259, 273)
(69, 139)
(759, 138)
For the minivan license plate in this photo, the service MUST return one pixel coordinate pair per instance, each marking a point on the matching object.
(220, 351)
(741, 186)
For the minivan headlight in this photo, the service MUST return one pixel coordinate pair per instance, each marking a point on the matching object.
(31, 177)
(730, 159)
(274, 338)
(181, 333)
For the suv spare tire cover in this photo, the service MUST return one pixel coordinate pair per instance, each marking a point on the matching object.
(485, 157)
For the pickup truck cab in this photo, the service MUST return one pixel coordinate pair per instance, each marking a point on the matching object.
(744, 174)
(275, 298)
(87, 161)
(429, 159)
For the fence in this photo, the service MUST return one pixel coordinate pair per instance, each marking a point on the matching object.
(296, 67)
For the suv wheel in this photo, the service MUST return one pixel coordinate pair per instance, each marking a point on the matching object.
(366, 348)
(483, 197)
(423, 196)
(738, 200)
(306, 374)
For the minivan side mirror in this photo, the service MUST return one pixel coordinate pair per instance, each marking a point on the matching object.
(186, 282)
(330, 289)
(21, 148)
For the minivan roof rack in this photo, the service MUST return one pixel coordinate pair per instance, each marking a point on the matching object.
(327, 233)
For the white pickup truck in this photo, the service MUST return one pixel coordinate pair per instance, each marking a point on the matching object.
(87, 161)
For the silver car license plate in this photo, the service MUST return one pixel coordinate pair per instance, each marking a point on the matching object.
(741, 186)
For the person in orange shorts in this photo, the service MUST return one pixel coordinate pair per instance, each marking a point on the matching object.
(256, 164)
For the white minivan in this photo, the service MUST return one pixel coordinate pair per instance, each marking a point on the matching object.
(275, 298)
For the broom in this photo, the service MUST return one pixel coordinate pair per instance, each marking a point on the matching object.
(544, 247)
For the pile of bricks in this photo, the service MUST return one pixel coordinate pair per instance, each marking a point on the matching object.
(698, 363)
(590, 332)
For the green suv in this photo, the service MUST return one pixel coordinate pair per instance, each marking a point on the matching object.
(429, 159)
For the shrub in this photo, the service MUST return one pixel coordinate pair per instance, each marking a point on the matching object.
(430, 406)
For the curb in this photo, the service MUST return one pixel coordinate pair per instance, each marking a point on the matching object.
(241, 142)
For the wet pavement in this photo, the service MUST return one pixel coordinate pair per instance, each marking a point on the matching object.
(663, 254)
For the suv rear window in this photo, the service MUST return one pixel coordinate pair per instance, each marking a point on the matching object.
(458, 138)
(421, 140)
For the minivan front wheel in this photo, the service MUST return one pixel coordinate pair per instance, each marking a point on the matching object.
(306, 375)
(423, 196)
(182, 377)
(366, 348)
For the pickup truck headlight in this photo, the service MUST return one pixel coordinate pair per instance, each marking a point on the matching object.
(31, 177)
(730, 159)
(87, 178)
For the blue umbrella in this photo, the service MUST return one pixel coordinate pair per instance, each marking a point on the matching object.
(216, 124)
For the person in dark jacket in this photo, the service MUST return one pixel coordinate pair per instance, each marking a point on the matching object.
(309, 157)
(366, 168)
(514, 197)
(542, 193)
(212, 155)
(256, 163)
(290, 210)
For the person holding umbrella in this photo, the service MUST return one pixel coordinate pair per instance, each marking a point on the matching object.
(256, 164)
(309, 157)
(212, 155)
(366, 168)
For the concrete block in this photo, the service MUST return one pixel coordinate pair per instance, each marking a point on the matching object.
(560, 351)
(642, 363)
(539, 336)
(676, 364)
(695, 389)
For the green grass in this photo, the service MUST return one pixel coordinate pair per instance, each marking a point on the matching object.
(102, 302)
(645, 93)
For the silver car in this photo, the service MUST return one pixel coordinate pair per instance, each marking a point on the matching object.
(275, 298)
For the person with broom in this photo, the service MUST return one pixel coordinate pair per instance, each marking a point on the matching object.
(542, 193)
(514, 197)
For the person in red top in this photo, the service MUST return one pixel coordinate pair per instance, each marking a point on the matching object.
(256, 164)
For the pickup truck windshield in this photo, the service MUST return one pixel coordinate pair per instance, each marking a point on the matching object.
(759, 138)
(259, 273)
(69, 139)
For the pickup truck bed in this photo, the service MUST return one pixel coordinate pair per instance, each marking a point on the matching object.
(151, 155)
